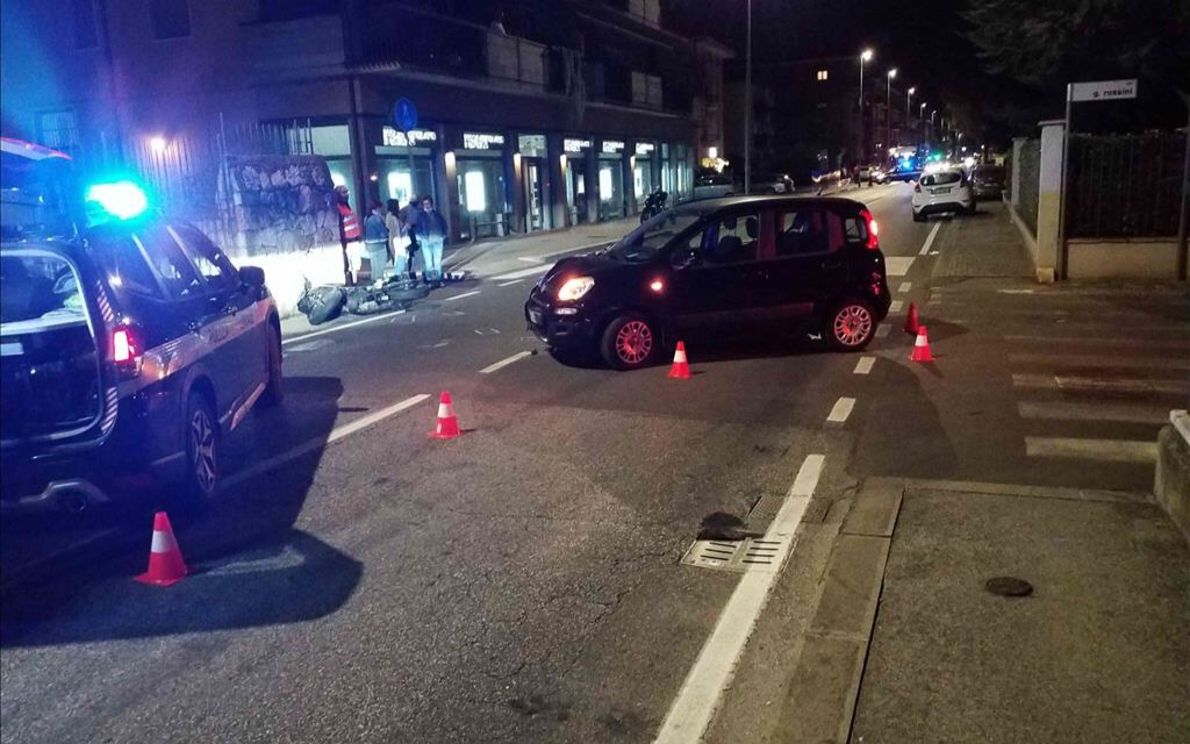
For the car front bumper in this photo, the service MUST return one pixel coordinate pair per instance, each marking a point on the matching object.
(564, 326)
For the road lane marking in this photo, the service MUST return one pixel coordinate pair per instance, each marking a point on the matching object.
(898, 265)
(509, 284)
(1099, 384)
(1097, 360)
(1098, 411)
(925, 247)
(1110, 450)
(895, 306)
(312, 445)
(882, 330)
(905, 287)
(522, 274)
(345, 326)
(472, 293)
(864, 365)
(699, 696)
(505, 362)
(529, 259)
(1117, 341)
(840, 411)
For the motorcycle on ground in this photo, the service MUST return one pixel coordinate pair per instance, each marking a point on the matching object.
(654, 205)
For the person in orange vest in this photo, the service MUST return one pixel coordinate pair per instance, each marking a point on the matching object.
(349, 230)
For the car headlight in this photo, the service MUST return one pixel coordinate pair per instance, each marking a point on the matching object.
(574, 288)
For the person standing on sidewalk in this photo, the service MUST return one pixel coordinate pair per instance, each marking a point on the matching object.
(376, 241)
(408, 217)
(431, 235)
(349, 232)
(398, 240)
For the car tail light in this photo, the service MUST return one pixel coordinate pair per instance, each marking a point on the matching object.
(873, 230)
(917, 188)
(126, 351)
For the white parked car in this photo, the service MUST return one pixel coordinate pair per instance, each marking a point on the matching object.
(942, 191)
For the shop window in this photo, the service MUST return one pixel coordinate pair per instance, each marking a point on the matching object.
(823, 75)
(605, 184)
(475, 193)
(400, 186)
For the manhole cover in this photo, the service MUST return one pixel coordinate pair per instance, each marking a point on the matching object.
(1008, 586)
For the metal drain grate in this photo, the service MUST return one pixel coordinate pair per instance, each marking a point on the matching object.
(765, 511)
(751, 554)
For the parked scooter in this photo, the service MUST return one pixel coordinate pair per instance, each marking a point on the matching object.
(654, 205)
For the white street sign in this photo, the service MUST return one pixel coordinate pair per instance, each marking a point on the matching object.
(1104, 90)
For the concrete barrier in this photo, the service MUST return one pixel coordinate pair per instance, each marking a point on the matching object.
(1172, 483)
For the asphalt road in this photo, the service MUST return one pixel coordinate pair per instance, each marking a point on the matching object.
(359, 581)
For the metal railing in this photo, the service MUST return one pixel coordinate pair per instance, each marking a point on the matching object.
(1124, 186)
(1030, 175)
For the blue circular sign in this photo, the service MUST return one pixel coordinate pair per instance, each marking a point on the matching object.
(405, 114)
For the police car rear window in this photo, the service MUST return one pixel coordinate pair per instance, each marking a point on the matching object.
(121, 258)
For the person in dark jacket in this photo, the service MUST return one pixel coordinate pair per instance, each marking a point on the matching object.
(376, 241)
(431, 236)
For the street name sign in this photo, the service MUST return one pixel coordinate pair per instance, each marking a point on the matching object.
(1104, 90)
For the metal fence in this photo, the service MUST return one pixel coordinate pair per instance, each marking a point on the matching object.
(1124, 185)
(1030, 175)
(187, 173)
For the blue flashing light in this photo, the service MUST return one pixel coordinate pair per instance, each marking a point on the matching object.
(123, 200)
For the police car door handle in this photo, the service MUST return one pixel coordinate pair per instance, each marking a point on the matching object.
(194, 326)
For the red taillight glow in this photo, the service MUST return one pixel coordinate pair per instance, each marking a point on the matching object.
(657, 285)
(123, 349)
(873, 230)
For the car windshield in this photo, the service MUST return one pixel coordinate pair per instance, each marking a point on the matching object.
(643, 243)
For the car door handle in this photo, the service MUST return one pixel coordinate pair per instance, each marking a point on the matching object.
(194, 326)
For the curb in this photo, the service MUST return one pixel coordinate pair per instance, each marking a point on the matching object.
(1171, 482)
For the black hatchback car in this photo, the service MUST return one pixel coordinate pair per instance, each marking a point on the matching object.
(127, 351)
(719, 269)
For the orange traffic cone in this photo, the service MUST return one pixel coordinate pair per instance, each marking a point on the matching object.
(448, 423)
(166, 566)
(911, 320)
(921, 347)
(680, 369)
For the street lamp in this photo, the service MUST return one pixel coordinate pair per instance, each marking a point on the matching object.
(888, 107)
(865, 56)
(748, 108)
(908, 94)
(921, 120)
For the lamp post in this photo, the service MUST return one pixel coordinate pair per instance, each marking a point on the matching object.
(921, 119)
(908, 94)
(888, 107)
(748, 107)
(865, 56)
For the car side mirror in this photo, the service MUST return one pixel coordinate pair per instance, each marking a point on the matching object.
(253, 276)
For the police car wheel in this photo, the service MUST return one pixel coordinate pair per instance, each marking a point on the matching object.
(274, 391)
(202, 449)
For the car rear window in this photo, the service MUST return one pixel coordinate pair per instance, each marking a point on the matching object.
(941, 179)
(37, 288)
(124, 263)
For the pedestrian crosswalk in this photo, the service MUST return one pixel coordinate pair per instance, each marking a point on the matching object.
(1092, 377)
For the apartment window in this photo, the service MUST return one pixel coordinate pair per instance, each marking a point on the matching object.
(823, 74)
(85, 35)
(171, 18)
(58, 129)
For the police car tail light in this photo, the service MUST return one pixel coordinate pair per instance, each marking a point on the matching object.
(126, 351)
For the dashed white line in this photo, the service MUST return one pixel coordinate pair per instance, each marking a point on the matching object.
(699, 696)
(841, 410)
(898, 265)
(472, 293)
(895, 306)
(905, 287)
(316, 443)
(509, 284)
(504, 362)
(925, 247)
(864, 365)
(529, 259)
(532, 271)
(343, 327)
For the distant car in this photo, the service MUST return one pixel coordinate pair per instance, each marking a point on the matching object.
(717, 270)
(864, 174)
(879, 175)
(130, 350)
(987, 182)
(772, 183)
(712, 185)
(941, 192)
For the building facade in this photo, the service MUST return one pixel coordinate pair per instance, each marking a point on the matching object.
(539, 116)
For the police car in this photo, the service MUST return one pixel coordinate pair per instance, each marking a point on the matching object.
(129, 347)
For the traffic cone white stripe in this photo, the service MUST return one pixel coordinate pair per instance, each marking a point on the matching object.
(680, 356)
(163, 542)
(445, 410)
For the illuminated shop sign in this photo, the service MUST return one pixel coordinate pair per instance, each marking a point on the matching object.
(576, 145)
(396, 138)
(482, 141)
(613, 146)
(645, 149)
